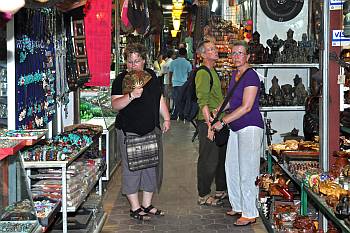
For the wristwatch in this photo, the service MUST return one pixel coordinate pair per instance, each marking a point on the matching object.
(222, 123)
(131, 98)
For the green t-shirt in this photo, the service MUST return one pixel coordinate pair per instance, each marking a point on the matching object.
(212, 98)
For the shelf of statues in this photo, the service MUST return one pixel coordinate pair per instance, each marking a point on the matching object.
(283, 53)
(285, 97)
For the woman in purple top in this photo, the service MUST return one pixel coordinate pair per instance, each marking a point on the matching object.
(244, 146)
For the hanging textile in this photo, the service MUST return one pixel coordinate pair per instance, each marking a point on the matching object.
(98, 41)
(138, 16)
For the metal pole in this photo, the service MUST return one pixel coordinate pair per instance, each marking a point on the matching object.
(325, 90)
(324, 163)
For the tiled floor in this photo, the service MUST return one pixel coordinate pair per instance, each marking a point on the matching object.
(178, 196)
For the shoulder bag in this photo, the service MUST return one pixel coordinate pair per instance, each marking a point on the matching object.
(142, 151)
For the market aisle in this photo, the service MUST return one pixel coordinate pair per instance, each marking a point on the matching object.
(178, 196)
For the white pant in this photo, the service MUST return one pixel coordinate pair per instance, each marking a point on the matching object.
(242, 165)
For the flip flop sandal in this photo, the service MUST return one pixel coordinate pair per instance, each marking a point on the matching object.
(242, 223)
(209, 201)
(151, 207)
(233, 213)
(221, 195)
(136, 215)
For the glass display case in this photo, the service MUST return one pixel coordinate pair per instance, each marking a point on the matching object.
(95, 108)
(95, 102)
(17, 209)
(3, 79)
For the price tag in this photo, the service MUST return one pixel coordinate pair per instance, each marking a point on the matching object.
(341, 79)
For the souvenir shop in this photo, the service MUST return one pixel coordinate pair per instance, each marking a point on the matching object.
(57, 137)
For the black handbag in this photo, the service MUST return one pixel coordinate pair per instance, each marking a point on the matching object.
(221, 137)
(142, 151)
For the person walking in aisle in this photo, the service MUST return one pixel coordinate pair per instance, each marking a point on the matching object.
(167, 89)
(139, 114)
(209, 99)
(179, 69)
(157, 64)
(246, 137)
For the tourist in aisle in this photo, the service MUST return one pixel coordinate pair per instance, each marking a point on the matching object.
(139, 103)
(167, 89)
(209, 153)
(179, 69)
(244, 147)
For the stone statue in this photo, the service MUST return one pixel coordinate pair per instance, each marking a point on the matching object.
(287, 93)
(262, 95)
(275, 91)
(256, 50)
(290, 49)
(299, 92)
(275, 44)
(305, 48)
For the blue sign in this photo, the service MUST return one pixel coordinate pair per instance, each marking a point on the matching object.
(338, 38)
(336, 4)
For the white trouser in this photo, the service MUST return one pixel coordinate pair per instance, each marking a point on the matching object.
(242, 166)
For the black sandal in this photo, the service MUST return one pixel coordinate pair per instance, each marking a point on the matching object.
(136, 215)
(149, 208)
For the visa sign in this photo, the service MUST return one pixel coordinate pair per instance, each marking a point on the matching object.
(336, 4)
(338, 38)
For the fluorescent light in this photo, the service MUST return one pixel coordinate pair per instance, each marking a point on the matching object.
(214, 5)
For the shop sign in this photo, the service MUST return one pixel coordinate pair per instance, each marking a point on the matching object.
(336, 4)
(338, 38)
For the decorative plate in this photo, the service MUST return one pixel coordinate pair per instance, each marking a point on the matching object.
(281, 10)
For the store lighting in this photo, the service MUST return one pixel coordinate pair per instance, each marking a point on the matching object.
(178, 2)
(173, 33)
(176, 13)
(214, 5)
(176, 24)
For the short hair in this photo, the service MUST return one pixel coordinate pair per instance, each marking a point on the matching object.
(169, 53)
(242, 43)
(182, 51)
(135, 48)
(200, 48)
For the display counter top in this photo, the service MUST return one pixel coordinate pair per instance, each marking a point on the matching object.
(105, 122)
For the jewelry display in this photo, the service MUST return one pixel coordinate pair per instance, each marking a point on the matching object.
(7, 143)
(35, 67)
(12, 227)
(63, 147)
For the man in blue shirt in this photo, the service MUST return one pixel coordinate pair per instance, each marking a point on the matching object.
(179, 70)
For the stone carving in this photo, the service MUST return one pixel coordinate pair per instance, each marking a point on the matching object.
(287, 93)
(290, 49)
(275, 44)
(275, 91)
(299, 92)
(258, 53)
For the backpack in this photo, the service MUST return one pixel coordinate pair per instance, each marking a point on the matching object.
(187, 104)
